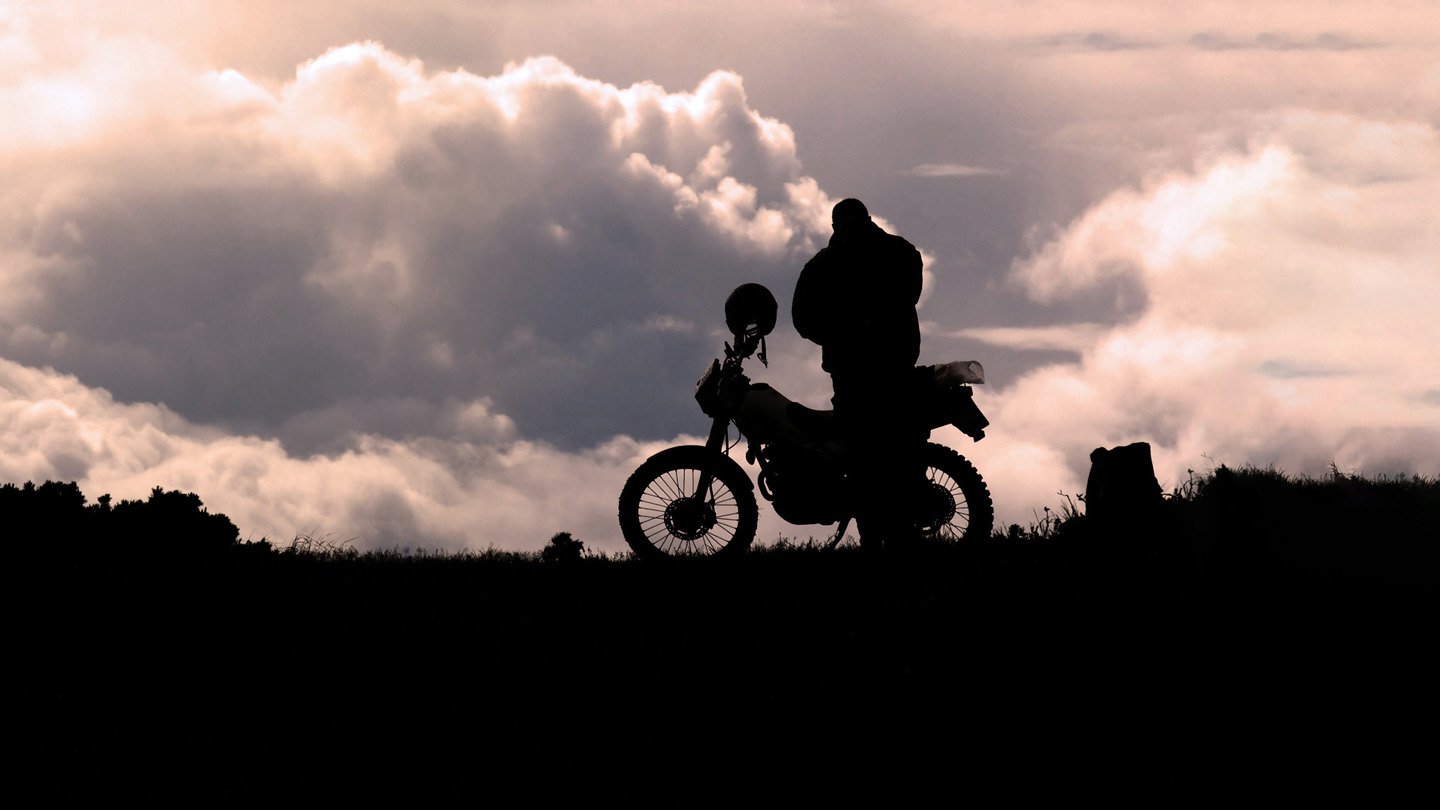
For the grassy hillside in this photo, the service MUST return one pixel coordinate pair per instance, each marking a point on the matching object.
(151, 648)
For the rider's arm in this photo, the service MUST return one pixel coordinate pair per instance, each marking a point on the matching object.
(808, 309)
(913, 274)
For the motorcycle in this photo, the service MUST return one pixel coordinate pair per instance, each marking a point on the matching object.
(697, 501)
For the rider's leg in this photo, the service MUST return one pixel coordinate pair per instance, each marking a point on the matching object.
(875, 411)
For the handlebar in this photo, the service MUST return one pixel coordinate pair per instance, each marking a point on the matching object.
(747, 344)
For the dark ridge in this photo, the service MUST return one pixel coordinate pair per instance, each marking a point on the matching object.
(154, 653)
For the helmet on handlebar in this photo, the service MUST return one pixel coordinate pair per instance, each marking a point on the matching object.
(750, 308)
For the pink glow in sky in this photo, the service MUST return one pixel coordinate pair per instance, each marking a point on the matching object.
(443, 277)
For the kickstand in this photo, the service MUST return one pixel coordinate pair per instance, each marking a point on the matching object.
(839, 533)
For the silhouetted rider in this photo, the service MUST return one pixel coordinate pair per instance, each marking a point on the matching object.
(856, 298)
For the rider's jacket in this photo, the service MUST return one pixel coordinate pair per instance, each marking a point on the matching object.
(857, 297)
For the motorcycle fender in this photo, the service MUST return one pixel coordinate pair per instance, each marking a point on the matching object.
(968, 418)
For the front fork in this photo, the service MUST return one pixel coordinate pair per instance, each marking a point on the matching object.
(718, 432)
(716, 443)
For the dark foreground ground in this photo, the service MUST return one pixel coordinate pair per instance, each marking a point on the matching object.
(1019, 670)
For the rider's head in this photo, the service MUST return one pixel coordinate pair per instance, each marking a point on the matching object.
(848, 211)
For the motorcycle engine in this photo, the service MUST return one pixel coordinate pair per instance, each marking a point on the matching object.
(802, 487)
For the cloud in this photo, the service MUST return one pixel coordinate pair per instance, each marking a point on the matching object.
(480, 486)
(1095, 41)
(951, 170)
(408, 306)
(1069, 338)
(1290, 295)
(1327, 41)
(342, 269)
(1104, 41)
(1126, 24)
(372, 231)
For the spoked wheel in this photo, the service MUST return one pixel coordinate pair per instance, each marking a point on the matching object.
(664, 512)
(956, 505)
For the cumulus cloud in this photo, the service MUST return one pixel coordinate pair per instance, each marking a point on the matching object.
(387, 272)
(479, 486)
(372, 230)
(1290, 295)
(407, 306)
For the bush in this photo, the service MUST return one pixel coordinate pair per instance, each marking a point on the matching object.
(53, 518)
(563, 548)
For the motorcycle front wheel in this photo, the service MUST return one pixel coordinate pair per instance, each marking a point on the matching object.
(664, 514)
(956, 506)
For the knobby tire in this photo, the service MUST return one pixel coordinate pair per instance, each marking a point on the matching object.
(974, 511)
(660, 489)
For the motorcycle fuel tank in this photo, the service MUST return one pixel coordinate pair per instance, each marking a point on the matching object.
(763, 416)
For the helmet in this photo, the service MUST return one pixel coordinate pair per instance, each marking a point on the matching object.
(750, 306)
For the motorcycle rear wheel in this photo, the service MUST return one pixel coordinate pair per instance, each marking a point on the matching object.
(662, 515)
(956, 507)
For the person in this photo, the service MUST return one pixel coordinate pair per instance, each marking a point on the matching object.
(856, 299)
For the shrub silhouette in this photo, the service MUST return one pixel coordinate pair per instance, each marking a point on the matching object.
(1231, 524)
(54, 518)
(1264, 522)
(28, 513)
(174, 522)
(1258, 525)
(563, 548)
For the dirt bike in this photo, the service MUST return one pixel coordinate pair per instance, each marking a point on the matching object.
(695, 500)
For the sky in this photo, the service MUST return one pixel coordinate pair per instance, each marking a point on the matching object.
(442, 276)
